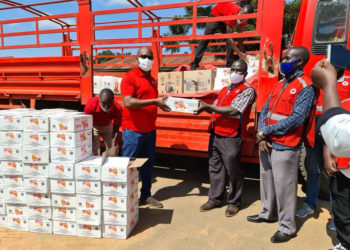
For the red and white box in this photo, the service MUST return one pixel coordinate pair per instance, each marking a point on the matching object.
(12, 167)
(15, 196)
(38, 155)
(10, 153)
(1, 185)
(63, 171)
(36, 170)
(119, 232)
(62, 186)
(89, 231)
(70, 123)
(44, 213)
(64, 227)
(40, 226)
(18, 210)
(66, 201)
(119, 218)
(11, 138)
(36, 139)
(36, 185)
(17, 223)
(89, 216)
(182, 105)
(118, 203)
(120, 188)
(71, 155)
(3, 221)
(38, 199)
(10, 121)
(2, 208)
(89, 169)
(64, 214)
(13, 182)
(89, 201)
(116, 169)
(70, 139)
(36, 123)
(89, 187)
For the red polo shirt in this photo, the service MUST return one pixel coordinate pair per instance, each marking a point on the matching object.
(228, 9)
(140, 86)
(93, 108)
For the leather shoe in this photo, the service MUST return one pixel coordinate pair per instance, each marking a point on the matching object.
(280, 237)
(257, 219)
(208, 206)
(231, 210)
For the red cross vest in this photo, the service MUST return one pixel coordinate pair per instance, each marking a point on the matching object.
(343, 91)
(343, 162)
(281, 106)
(230, 126)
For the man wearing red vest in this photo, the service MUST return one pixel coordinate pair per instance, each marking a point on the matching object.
(230, 115)
(286, 117)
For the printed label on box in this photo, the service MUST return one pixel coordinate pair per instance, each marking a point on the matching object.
(13, 138)
(3, 221)
(70, 139)
(18, 210)
(87, 172)
(17, 222)
(118, 217)
(38, 155)
(40, 226)
(71, 155)
(10, 153)
(70, 123)
(89, 201)
(12, 167)
(35, 170)
(36, 185)
(10, 122)
(120, 188)
(111, 202)
(116, 169)
(64, 214)
(36, 123)
(37, 199)
(67, 201)
(182, 105)
(15, 196)
(89, 187)
(64, 227)
(119, 232)
(88, 216)
(61, 171)
(62, 186)
(2, 208)
(34, 139)
(40, 213)
(13, 182)
(89, 231)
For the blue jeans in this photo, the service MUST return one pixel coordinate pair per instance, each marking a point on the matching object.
(314, 166)
(143, 145)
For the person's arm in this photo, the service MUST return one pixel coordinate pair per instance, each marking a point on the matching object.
(222, 110)
(263, 114)
(330, 165)
(233, 45)
(89, 108)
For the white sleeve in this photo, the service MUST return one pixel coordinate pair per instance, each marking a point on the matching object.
(336, 134)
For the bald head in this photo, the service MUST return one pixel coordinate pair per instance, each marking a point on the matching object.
(144, 51)
(240, 67)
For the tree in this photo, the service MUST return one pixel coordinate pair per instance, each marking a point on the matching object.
(291, 11)
(105, 53)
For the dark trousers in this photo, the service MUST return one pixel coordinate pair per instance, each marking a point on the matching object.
(137, 144)
(210, 28)
(223, 163)
(340, 191)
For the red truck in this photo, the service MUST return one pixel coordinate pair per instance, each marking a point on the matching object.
(67, 80)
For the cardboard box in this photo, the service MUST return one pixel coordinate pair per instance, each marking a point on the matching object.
(71, 155)
(35, 139)
(36, 170)
(38, 155)
(64, 227)
(89, 231)
(36, 185)
(89, 169)
(13, 182)
(37, 199)
(170, 82)
(63, 171)
(119, 169)
(2, 208)
(120, 188)
(111, 217)
(198, 80)
(3, 221)
(66, 201)
(70, 122)
(89, 187)
(89, 216)
(42, 213)
(89, 201)
(12, 167)
(36, 123)
(119, 203)
(1, 185)
(10, 121)
(18, 210)
(2, 194)
(97, 85)
(62, 186)
(182, 105)
(70, 139)
(10, 153)
(64, 214)
(119, 232)
(15, 196)
(17, 223)
(11, 138)
(40, 226)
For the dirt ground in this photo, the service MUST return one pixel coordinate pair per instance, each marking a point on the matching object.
(182, 184)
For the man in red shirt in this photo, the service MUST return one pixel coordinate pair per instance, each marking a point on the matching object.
(140, 95)
(223, 9)
(106, 113)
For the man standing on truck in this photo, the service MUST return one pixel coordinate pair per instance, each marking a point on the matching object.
(140, 96)
(230, 115)
(107, 114)
(226, 27)
(286, 117)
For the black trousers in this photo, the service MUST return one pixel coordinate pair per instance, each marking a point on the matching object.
(340, 189)
(224, 154)
(210, 29)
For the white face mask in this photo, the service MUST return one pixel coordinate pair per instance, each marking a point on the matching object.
(104, 109)
(145, 64)
(236, 78)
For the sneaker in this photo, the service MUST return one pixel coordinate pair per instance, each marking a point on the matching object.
(305, 211)
(339, 247)
(151, 201)
(331, 225)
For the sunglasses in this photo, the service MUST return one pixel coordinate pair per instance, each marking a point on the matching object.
(145, 56)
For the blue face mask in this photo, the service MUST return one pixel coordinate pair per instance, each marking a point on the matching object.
(289, 68)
